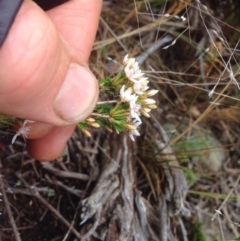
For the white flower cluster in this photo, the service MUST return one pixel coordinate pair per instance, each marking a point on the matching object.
(136, 94)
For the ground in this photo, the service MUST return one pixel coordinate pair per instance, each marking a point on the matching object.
(168, 184)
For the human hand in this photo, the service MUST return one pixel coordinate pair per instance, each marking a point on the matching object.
(44, 75)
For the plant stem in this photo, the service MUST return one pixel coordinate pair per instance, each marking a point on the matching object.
(100, 115)
(107, 102)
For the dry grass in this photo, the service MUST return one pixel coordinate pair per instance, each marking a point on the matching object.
(119, 190)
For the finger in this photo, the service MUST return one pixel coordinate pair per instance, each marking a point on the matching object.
(77, 21)
(41, 150)
(42, 77)
(72, 21)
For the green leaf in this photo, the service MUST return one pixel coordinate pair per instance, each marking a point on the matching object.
(6, 120)
(118, 127)
(82, 125)
(105, 82)
(118, 123)
(103, 109)
(103, 122)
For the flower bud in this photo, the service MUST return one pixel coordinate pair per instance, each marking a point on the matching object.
(86, 132)
(130, 127)
(143, 112)
(152, 106)
(94, 125)
(90, 119)
(148, 101)
(151, 93)
(108, 129)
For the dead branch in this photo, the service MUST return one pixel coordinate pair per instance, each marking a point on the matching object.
(66, 174)
(9, 212)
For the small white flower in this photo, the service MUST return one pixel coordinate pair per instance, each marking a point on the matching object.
(126, 96)
(23, 131)
(135, 132)
(140, 87)
(128, 61)
(135, 110)
(132, 70)
(133, 74)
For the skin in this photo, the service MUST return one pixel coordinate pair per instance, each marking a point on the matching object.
(35, 59)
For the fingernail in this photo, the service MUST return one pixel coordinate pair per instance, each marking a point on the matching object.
(77, 96)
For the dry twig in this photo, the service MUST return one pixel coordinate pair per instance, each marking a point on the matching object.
(9, 212)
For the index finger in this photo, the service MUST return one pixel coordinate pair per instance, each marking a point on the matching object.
(77, 21)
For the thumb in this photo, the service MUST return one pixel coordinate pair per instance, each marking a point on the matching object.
(42, 77)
